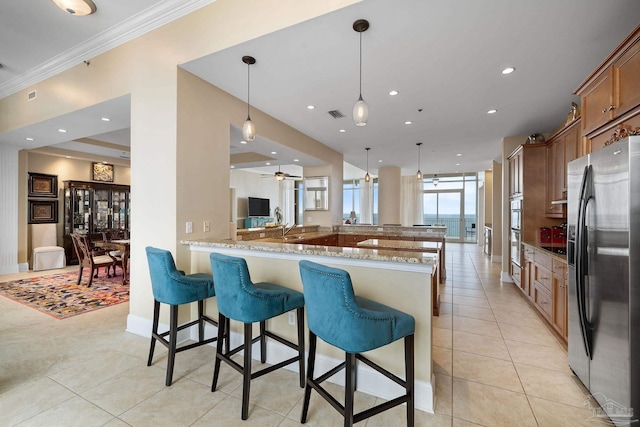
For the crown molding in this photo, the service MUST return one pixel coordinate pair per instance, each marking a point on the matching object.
(139, 24)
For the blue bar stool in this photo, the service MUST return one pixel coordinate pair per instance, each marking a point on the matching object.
(244, 301)
(171, 286)
(355, 325)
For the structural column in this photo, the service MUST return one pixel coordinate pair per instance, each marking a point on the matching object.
(389, 190)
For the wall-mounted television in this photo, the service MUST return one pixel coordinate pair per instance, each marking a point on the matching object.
(258, 207)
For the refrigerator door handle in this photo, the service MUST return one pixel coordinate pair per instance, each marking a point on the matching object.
(586, 195)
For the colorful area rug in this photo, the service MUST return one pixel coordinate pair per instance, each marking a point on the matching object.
(60, 297)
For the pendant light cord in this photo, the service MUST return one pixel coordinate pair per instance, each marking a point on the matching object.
(248, 87)
(360, 64)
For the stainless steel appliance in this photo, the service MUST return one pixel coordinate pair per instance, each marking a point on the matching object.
(603, 246)
(515, 237)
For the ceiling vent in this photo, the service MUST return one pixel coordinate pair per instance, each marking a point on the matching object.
(32, 95)
(336, 114)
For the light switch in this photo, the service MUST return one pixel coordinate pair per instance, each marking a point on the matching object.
(206, 226)
(189, 227)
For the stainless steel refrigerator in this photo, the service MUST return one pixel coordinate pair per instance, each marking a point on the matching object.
(603, 251)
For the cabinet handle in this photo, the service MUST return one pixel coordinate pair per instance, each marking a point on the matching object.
(609, 108)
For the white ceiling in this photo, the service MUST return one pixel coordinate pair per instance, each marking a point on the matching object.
(444, 57)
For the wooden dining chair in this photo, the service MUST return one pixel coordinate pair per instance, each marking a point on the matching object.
(87, 258)
(109, 234)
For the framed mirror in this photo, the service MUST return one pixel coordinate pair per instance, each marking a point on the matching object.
(316, 193)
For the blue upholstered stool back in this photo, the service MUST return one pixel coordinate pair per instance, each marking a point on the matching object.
(171, 286)
(340, 318)
(240, 299)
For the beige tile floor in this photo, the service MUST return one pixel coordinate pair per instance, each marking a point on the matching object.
(495, 363)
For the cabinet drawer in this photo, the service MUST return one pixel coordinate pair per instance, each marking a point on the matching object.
(543, 259)
(542, 276)
(542, 299)
(529, 253)
(559, 268)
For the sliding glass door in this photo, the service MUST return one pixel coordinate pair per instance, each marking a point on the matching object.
(444, 207)
(451, 201)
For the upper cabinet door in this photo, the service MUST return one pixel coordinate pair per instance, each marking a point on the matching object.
(627, 80)
(597, 102)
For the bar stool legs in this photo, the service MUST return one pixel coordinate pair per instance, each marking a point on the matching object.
(350, 366)
(246, 347)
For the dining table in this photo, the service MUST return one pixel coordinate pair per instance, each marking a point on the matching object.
(122, 245)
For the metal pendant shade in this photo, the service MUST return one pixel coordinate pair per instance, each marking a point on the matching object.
(360, 109)
(248, 128)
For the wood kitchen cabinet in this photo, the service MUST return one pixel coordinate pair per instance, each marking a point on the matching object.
(559, 298)
(561, 149)
(611, 94)
(544, 281)
(527, 267)
(515, 174)
(331, 240)
(613, 89)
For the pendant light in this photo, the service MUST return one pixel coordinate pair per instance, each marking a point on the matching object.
(367, 177)
(360, 109)
(76, 7)
(419, 173)
(248, 129)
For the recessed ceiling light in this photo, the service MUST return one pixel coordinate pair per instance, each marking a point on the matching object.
(492, 111)
(105, 119)
(62, 130)
(296, 160)
(29, 138)
(67, 157)
(394, 93)
(379, 161)
(342, 130)
(457, 164)
(268, 164)
(508, 70)
(243, 142)
(459, 154)
(273, 152)
(311, 107)
(408, 122)
(233, 167)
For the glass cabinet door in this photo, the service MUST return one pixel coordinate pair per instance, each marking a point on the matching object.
(100, 210)
(119, 206)
(81, 210)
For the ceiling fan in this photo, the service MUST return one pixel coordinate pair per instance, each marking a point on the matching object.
(279, 175)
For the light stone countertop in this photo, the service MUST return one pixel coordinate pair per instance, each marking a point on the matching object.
(408, 245)
(328, 251)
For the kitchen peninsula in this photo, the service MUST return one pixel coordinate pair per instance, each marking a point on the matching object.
(401, 279)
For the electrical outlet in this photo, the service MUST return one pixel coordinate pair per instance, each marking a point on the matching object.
(206, 226)
(292, 318)
(263, 235)
(189, 227)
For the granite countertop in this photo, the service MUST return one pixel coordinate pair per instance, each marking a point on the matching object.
(548, 249)
(329, 251)
(293, 238)
(386, 230)
(400, 244)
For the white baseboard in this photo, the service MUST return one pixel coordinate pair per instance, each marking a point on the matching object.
(505, 277)
(369, 381)
(23, 266)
